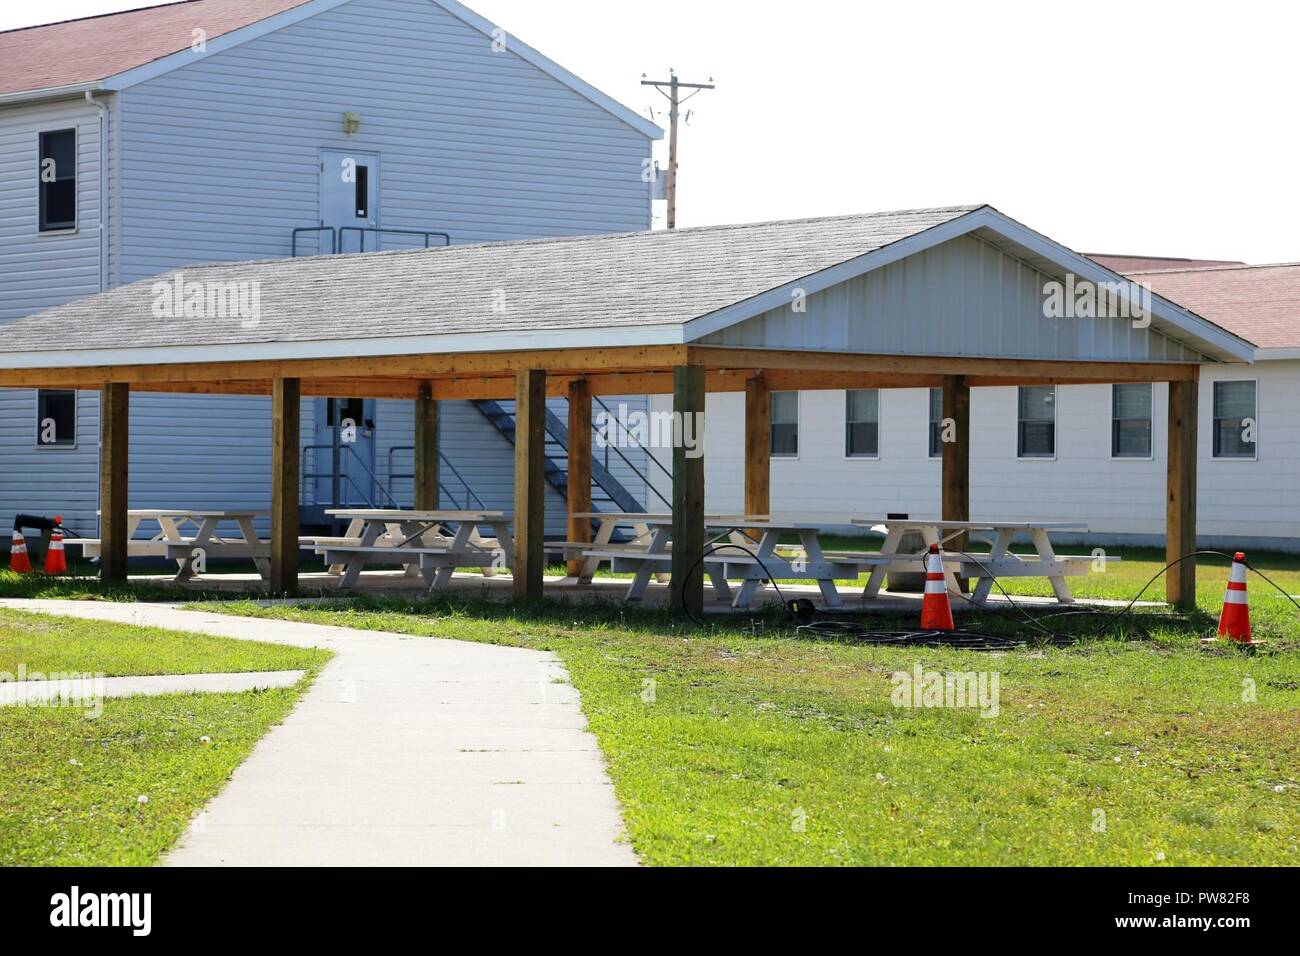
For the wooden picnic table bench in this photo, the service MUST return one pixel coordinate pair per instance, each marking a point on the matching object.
(192, 551)
(431, 544)
(984, 568)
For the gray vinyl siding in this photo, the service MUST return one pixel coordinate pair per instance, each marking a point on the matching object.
(37, 271)
(881, 312)
(221, 158)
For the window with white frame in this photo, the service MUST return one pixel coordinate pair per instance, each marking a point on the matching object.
(1130, 420)
(936, 423)
(57, 180)
(785, 424)
(862, 423)
(56, 418)
(1234, 419)
(1036, 424)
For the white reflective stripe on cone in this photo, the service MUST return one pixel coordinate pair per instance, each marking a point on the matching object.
(1235, 597)
(935, 587)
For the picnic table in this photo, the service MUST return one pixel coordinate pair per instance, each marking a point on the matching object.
(999, 562)
(191, 550)
(431, 544)
(749, 559)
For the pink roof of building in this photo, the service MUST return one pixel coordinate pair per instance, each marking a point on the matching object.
(76, 52)
(1258, 303)
(1124, 264)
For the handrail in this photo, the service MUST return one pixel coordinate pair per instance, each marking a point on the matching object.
(375, 483)
(444, 460)
(362, 230)
(334, 237)
(645, 479)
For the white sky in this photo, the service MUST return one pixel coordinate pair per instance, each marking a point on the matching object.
(1148, 127)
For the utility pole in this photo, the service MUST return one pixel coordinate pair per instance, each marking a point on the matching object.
(674, 108)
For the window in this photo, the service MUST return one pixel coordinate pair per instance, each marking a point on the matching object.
(862, 423)
(363, 192)
(1234, 419)
(1037, 422)
(936, 423)
(56, 418)
(1130, 421)
(785, 424)
(57, 179)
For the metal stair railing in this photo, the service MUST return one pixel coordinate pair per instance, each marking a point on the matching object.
(345, 475)
(379, 231)
(471, 496)
(650, 455)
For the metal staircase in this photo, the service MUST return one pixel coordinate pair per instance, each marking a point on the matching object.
(608, 493)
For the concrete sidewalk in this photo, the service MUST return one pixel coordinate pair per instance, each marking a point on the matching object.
(33, 691)
(405, 751)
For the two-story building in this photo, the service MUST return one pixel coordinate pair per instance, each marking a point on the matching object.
(228, 130)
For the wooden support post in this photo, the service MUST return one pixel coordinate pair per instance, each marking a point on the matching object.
(956, 458)
(530, 482)
(426, 449)
(286, 411)
(758, 447)
(1180, 512)
(579, 475)
(687, 586)
(114, 432)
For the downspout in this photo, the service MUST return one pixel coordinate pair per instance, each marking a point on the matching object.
(103, 189)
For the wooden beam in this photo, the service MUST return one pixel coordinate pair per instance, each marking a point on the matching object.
(758, 447)
(1180, 511)
(956, 457)
(423, 365)
(286, 411)
(426, 449)
(687, 585)
(530, 482)
(579, 473)
(1009, 370)
(114, 447)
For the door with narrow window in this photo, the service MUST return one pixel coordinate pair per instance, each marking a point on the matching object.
(342, 458)
(349, 198)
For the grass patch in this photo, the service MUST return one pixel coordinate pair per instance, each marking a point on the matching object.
(746, 744)
(69, 794)
(49, 643)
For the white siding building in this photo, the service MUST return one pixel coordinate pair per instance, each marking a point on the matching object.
(1249, 493)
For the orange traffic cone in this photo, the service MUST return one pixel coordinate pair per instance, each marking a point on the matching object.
(1234, 621)
(56, 562)
(936, 612)
(19, 563)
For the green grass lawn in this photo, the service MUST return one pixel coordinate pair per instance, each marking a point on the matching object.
(70, 787)
(749, 744)
(746, 743)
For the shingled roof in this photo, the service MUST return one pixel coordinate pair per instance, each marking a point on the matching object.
(75, 52)
(623, 281)
(1259, 303)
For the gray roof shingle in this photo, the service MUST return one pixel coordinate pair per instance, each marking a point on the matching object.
(598, 282)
